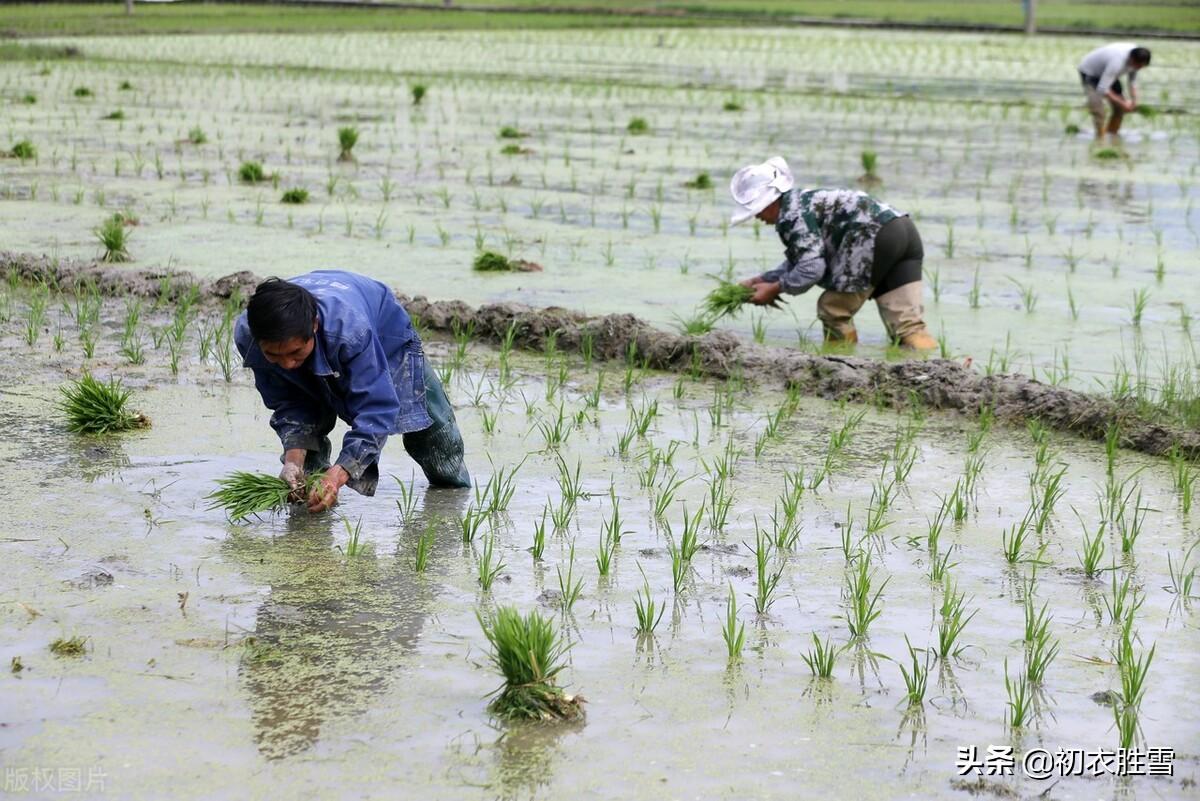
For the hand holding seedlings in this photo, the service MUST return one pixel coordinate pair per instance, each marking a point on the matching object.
(324, 491)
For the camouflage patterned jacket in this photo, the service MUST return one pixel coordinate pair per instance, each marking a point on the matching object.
(829, 239)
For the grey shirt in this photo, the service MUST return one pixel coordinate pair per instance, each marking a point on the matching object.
(1107, 64)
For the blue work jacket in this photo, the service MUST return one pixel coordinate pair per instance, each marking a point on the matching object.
(367, 367)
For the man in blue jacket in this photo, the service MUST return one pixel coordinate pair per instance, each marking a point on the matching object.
(332, 344)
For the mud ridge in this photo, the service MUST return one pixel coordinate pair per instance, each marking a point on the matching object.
(934, 383)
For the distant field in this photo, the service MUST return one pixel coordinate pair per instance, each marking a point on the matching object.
(82, 19)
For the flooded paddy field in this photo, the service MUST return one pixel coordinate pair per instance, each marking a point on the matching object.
(259, 659)
(964, 581)
(521, 144)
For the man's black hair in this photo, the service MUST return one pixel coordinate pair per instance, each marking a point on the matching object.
(280, 310)
(1141, 55)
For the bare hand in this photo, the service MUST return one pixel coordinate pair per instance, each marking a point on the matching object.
(753, 280)
(324, 492)
(765, 293)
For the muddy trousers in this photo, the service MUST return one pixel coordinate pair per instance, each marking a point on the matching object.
(895, 287)
(438, 450)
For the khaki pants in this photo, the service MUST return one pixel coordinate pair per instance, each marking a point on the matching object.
(901, 310)
(1098, 106)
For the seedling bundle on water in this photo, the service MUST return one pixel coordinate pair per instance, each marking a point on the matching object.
(94, 407)
(528, 653)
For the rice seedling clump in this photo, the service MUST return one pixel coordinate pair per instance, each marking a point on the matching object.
(491, 262)
(242, 494)
(95, 407)
(728, 298)
(528, 653)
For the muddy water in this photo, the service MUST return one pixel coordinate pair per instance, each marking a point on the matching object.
(258, 661)
(974, 147)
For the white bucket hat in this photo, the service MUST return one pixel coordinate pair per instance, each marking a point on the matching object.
(758, 186)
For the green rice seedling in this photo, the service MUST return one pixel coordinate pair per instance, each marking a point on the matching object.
(498, 493)
(539, 533)
(407, 502)
(295, 196)
(1093, 549)
(425, 547)
(916, 675)
(1124, 599)
(470, 522)
(665, 494)
(604, 556)
(614, 527)
(555, 431)
(1051, 492)
(862, 605)
(638, 126)
(1137, 307)
(869, 160)
(733, 105)
(1131, 666)
(114, 238)
(696, 325)
(569, 587)
(939, 566)
(95, 407)
(727, 299)
(196, 135)
(821, 658)
(1014, 540)
(1040, 648)
(418, 92)
(733, 631)
(720, 500)
(69, 646)
(1130, 526)
(355, 547)
(570, 484)
(82, 91)
(1184, 477)
(701, 181)
(116, 115)
(490, 564)
(1107, 154)
(29, 98)
(766, 581)
(1019, 706)
(1125, 719)
(528, 653)
(953, 618)
(242, 494)
(39, 302)
(904, 456)
(933, 533)
(1182, 579)
(785, 530)
(347, 139)
(649, 612)
(957, 503)
(23, 150)
(561, 515)
(881, 500)
(251, 172)
(512, 150)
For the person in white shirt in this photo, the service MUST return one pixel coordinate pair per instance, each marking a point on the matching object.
(1101, 71)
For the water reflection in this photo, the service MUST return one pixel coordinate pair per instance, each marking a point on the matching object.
(332, 633)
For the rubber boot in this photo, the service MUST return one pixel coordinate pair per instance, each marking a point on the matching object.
(918, 340)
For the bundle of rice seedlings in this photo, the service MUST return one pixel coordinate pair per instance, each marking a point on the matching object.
(295, 196)
(727, 298)
(23, 150)
(489, 261)
(347, 139)
(638, 126)
(528, 653)
(701, 181)
(251, 172)
(114, 238)
(94, 407)
(242, 494)
(418, 93)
